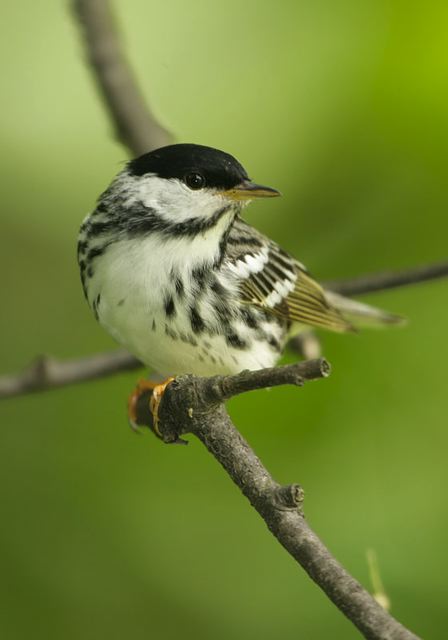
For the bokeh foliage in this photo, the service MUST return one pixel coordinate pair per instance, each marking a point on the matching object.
(343, 107)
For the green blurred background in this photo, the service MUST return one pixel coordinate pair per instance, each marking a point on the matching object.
(342, 105)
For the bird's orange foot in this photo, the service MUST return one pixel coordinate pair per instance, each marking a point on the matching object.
(144, 402)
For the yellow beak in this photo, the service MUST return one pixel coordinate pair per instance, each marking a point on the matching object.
(247, 190)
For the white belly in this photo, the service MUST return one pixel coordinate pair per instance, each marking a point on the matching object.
(127, 289)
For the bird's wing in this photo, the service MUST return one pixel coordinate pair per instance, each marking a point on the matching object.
(273, 280)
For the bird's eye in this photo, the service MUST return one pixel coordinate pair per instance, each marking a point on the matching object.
(195, 180)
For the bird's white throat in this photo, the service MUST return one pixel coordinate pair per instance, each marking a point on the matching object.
(171, 200)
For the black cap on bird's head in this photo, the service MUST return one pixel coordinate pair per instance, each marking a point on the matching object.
(200, 167)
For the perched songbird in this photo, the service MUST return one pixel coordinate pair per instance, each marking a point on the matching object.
(176, 276)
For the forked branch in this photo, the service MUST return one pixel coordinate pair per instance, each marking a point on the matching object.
(196, 405)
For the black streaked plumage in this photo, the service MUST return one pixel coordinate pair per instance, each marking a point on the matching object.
(205, 292)
(170, 308)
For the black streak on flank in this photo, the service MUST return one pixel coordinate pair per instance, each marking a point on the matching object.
(153, 327)
(94, 253)
(169, 332)
(101, 208)
(199, 274)
(170, 308)
(98, 228)
(82, 246)
(248, 317)
(96, 304)
(275, 344)
(235, 341)
(218, 288)
(197, 323)
(179, 287)
(188, 339)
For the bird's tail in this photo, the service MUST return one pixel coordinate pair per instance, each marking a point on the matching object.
(362, 315)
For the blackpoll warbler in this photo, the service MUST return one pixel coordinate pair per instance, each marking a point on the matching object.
(175, 275)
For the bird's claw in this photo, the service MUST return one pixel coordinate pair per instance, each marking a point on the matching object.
(143, 405)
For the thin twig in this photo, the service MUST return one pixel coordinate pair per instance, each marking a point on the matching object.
(47, 373)
(388, 279)
(226, 387)
(135, 124)
(194, 405)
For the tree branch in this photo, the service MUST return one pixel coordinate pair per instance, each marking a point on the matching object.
(47, 373)
(387, 279)
(195, 405)
(135, 124)
(225, 387)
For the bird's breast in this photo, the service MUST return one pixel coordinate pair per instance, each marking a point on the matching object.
(176, 314)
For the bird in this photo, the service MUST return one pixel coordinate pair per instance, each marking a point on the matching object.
(174, 273)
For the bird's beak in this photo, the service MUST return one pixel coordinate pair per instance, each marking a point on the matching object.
(248, 190)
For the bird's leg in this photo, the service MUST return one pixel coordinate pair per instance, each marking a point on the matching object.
(147, 395)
